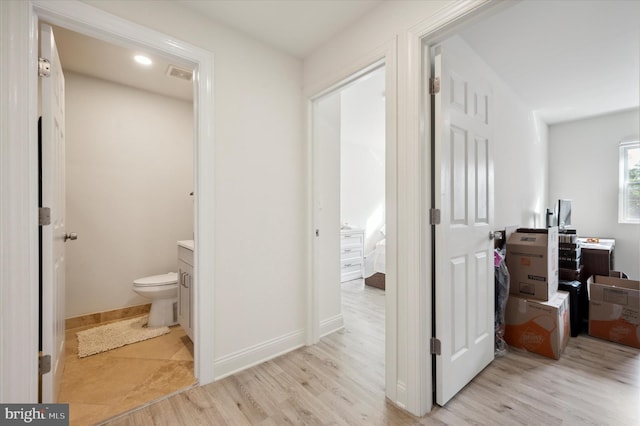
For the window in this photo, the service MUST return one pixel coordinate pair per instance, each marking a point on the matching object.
(629, 192)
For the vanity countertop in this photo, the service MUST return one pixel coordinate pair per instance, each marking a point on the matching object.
(188, 244)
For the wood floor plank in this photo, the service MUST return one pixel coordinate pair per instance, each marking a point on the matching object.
(203, 402)
(340, 381)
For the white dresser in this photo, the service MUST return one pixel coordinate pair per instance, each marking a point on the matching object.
(351, 254)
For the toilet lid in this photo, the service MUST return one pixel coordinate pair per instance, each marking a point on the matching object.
(164, 279)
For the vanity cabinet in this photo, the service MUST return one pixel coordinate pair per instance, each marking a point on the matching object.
(185, 290)
(351, 254)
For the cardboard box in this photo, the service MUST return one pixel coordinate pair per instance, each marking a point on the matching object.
(614, 309)
(537, 326)
(532, 261)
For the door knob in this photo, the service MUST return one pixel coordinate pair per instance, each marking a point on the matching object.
(71, 236)
(492, 235)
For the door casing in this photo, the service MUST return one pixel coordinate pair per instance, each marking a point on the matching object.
(408, 376)
(386, 57)
(418, 42)
(20, 384)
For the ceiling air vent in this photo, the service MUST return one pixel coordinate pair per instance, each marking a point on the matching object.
(181, 73)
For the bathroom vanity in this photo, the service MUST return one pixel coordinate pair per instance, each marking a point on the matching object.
(185, 286)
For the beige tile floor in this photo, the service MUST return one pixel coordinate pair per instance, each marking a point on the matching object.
(107, 384)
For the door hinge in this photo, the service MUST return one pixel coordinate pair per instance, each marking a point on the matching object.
(435, 346)
(44, 364)
(434, 216)
(434, 86)
(44, 216)
(44, 67)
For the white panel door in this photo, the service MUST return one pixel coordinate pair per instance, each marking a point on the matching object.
(53, 235)
(464, 286)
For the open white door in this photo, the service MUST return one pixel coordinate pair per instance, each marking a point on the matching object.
(53, 197)
(463, 188)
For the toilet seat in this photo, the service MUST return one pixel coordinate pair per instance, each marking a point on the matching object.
(157, 280)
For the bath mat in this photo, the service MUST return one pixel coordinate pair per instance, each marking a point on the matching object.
(110, 336)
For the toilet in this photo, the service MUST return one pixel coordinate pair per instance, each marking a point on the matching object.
(163, 292)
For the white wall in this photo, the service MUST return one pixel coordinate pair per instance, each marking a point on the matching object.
(129, 172)
(260, 174)
(380, 26)
(583, 167)
(362, 156)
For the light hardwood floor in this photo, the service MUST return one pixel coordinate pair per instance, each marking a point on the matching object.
(341, 381)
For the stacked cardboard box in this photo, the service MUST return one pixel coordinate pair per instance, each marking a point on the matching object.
(614, 309)
(537, 326)
(532, 260)
(537, 314)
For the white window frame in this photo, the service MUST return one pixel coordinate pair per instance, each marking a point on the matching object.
(623, 182)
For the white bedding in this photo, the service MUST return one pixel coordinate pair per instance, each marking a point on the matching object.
(375, 260)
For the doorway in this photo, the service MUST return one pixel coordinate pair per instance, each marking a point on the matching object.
(94, 22)
(129, 186)
(350, 146)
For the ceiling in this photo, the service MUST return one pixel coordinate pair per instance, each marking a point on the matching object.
(90, 56)
(297, 27)
(565, 59)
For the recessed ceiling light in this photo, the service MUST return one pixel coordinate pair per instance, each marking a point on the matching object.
(142, 60)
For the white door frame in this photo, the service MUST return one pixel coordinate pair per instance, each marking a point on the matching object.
(408, 375)
(18, 161)
(384, 56)
(414, 61)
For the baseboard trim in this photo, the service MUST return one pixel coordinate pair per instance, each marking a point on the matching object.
(100, 317)
(257, 354)
(331, 325)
